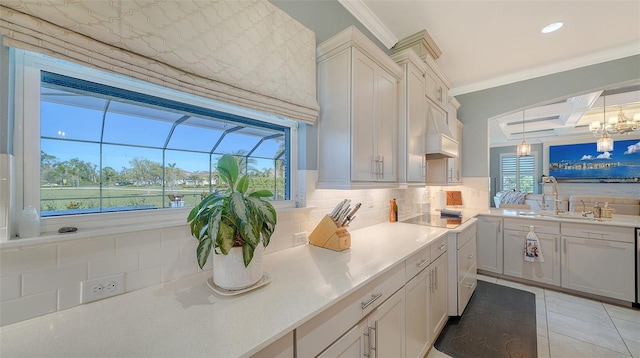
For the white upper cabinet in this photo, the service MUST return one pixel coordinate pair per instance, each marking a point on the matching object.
(412, 119)
(358, 124)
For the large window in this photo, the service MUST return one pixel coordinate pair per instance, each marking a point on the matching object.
(518, 173)
(104, 147)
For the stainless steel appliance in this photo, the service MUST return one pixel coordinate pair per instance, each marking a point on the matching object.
(435, 220)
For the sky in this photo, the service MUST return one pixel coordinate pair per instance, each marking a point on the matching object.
(624, 151)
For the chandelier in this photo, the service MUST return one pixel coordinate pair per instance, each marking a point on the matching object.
(620, 124)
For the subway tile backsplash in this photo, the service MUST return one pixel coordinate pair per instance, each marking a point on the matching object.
(42, 279)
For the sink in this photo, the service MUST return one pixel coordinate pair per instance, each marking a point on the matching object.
(570, 216)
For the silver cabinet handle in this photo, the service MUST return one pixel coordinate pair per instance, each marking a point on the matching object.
(470, 256)
(374, 297)
(422, 262)
(367, 351)
(440, 94)
(435, 277)
(430, 279)
(441, 247)
(471, 284)
(375, 338)
(382, 167)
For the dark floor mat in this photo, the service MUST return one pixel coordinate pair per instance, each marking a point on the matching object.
(498, 322)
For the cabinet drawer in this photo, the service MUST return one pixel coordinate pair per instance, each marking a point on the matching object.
(417, 262)
(466, 235)
(599, 232)
(539, 226)
(466, 258)
(466, 287)
(439, 247)
(319, 332)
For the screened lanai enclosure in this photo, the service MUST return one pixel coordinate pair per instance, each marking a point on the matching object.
(109, 149)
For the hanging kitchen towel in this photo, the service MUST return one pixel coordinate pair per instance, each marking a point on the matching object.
(532, 249)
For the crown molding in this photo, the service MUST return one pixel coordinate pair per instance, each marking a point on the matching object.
(362, 13)
(561, 66)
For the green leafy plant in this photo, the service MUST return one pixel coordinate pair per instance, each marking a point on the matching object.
(237, 217)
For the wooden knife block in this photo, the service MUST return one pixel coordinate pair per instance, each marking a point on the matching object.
(328, 235)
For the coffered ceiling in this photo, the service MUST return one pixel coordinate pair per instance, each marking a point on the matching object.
(491, 43)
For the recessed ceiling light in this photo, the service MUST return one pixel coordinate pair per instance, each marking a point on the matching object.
(552, 27)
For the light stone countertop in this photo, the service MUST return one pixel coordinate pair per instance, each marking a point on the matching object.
(186, 318)
(574, 217)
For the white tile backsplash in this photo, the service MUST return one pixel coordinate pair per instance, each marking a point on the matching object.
(28, 307)
(10, 287)
(143, 278)
(108, 266)
(52, 279)
(143, 241)
(17, 261)
(85, 250)
(69, 297)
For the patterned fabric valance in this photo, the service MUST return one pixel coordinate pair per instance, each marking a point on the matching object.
(247, 53)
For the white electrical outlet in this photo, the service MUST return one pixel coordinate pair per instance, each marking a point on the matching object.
(99, 288)
(300, 238)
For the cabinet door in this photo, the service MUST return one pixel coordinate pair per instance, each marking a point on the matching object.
(364, 98)
(416, 127)
(386, 327)
(386, 125)
(515, 265)
(489, 241)
(454, 165)
(354, 344)
(282, 348)
(438, 309)
(600, 267)
(417, 315)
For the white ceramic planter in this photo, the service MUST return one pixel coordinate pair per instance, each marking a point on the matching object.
(229, 272)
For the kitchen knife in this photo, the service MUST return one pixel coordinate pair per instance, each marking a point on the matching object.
(342, 214)
(351, 215)
(337, 209)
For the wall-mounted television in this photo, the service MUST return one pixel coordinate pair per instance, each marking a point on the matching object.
(581, 163)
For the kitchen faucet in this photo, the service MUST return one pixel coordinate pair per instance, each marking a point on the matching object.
(584, 211)
(556, 207)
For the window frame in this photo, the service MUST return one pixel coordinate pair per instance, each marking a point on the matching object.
(26, 70)
(534, 154)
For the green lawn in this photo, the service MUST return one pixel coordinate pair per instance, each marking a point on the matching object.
(65, 198)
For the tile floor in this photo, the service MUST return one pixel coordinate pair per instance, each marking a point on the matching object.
(570, 326)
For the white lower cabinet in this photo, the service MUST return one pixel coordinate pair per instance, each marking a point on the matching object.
(593, 258)
(515, 234)
(282, 348)
(515, 265)
(417, 304)
(489, 238)
(426, 307)
(438, 313)
(381, 334)
(597, 266)
(462, 280)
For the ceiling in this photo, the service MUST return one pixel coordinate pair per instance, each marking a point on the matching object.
(491, 43)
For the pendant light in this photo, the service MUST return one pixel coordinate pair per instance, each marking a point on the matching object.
(604, 143)
(524, 148)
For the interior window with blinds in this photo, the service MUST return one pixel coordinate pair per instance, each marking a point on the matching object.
(518, 173)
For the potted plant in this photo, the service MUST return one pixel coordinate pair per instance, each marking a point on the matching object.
(237, 224)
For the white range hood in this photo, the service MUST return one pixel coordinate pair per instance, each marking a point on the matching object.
(440, 142)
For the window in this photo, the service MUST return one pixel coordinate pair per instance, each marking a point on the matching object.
(518, 173)
(109, 144)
